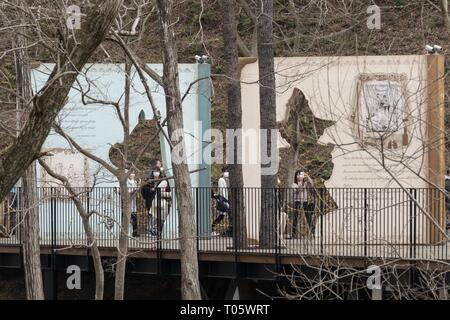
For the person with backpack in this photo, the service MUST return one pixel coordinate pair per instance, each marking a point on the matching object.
(161, 207)
(222, 207)
(222, 191)
(148, 190)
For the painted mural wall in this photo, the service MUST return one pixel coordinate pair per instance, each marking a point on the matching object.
(96, 127)
(378, 105)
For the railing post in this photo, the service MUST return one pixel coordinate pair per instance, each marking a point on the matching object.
(52, 217)
(198, 225)
(365, 222)
(18, 216)
(414, 224)
(53, 243)
(158, 229)
(321, 206)
(277, 235)
(88, 207)
(411, 217)
(234, 227)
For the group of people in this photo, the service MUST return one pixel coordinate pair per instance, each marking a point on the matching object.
(157, 209)
(300, 201)
(222, 205)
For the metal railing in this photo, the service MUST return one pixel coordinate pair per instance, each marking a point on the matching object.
(342, 222)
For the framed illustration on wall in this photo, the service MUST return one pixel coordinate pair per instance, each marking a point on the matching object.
(381, 111)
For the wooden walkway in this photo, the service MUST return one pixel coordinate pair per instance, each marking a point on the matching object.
(224, 245)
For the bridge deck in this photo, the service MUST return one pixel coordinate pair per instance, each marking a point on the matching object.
(224, 245)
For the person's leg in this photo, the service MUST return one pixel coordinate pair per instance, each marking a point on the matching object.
(159, 225)
(148, 203)
(308, 209)
(145, 192)
(229, 231)
(290, 222)
(134, 224)
(295, 220)
(219, 218)
(230, 221)
(313, 221)
(150, 224)
(164, 213)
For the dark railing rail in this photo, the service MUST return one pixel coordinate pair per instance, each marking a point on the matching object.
(345, 222)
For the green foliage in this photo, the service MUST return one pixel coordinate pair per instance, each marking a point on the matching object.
(399, 3)
(209, 17)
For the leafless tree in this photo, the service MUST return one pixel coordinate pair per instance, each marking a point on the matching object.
(445, 16)
(92, 240)
(30, 224)
(332, 278)
(121, 172)
(46, 104)
(190, 285)
(230, 36)
(267, 100)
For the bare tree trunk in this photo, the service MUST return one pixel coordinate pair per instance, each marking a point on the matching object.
(119, 285)
(267, 98)
(30, 224)
(445, 16)
(92, 241)
(230, 36)
(96, 257)
(253, 49)
(30, 237)
(124, 197)
(190, 286)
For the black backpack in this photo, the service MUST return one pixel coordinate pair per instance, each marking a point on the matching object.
(148, 192)
(222, 204)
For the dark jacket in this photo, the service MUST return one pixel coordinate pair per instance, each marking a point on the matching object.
(222, 204)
